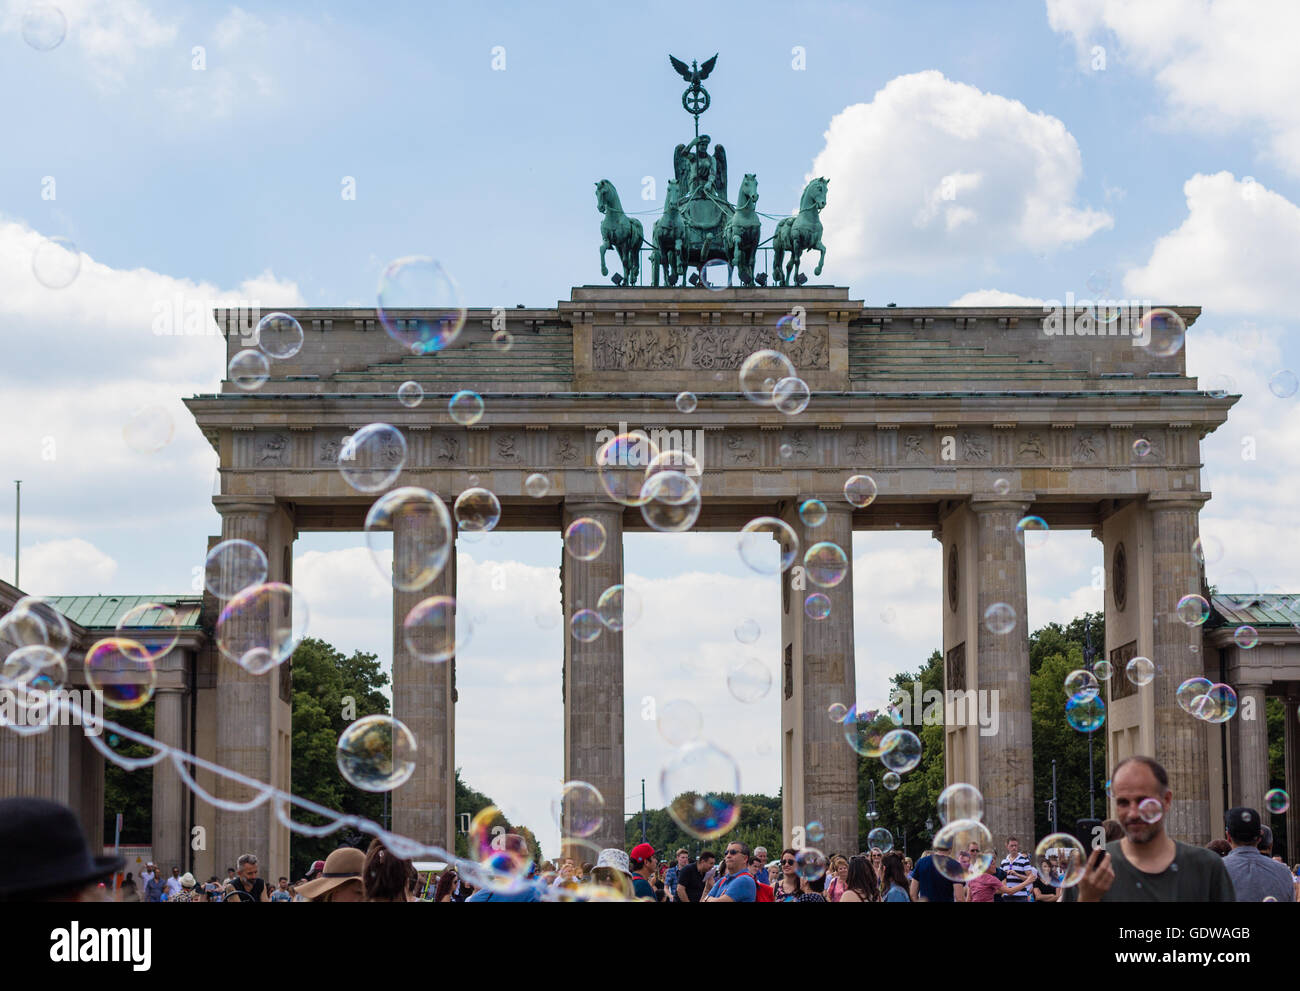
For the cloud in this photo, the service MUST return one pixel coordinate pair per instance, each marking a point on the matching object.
(1237, 251)
(995, 297)
(934, 172)
(63, 567)
(1221, 64)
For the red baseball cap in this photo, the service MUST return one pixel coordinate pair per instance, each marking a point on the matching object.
(642, 852)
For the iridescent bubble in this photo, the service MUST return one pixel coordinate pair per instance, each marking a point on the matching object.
(1032, 531)
(1001, 486)
(826, 564)
(579, 808)
(817, 606)
(584, 538)
(1102, 670)
(1140, 671)
(960, 801)
(1085, 715)
(902, 750)
(279, 335)
(618, 607)
(149, 429)
(1193, 610)
(865, 728)
(789, 327)
(1277, 801)
(700, 785)
(891, 781)
(621, 463)
(810, 864)
(1217, 705)
(1283, 383)
(1245, 637)
(1190, 690)
(585, 625)
(713, 274)
(679, 722)
(503, 340)
(34, 622)
(249, 369)
(958, 837)
(233, 565)
(749, 680)
(44, 27)
(56, 263)
(465, 407)
(880, 839)
(787, 452)
(1071, 860)
(477, 510)
(760, 372)
(747, 631)
(670, 502)
(837, 711)
(1164, 329)
(37, 668)
(814, 832)
(376, 753)
(1098, 282)
(1207, 550)
(373, 457)
(499, 857)
(1082, 683)
(1220, 386)
(410, 394)
(686, 402)
(152, 625)
(812, 512)
(432, 632)
(425, 545)
(768, 545)
(261, 626)
(1000, 618)
(537, 485)
(122, 671)
(791, 396)
(1152, 810)
(419, 305)
(860, 491)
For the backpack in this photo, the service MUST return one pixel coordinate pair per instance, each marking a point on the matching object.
(763, 892)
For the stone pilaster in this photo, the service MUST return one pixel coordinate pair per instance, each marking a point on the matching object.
(1181, 742)
(819, 769)
(169, 794)
(1291, 752)
(424, 808)
(593, 674)
(1251, 778)
(1006, 763)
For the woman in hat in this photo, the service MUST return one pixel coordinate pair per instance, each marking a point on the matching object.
(44, 855)
(187, 893)
(340, 881)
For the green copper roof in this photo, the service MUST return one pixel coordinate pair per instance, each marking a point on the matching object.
(1267, 610)
(101, 611)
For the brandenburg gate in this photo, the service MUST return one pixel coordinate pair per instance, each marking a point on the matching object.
(968, 419)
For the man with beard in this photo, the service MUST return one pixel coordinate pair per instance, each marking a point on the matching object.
(1147, 864)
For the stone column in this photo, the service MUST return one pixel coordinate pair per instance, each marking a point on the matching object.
(1251, 778)
(169, 794)
(1006, 762)
(1181, 743)
(424, 699)
(1291, 752)
(593, 674)
(819, 770)
(243, 711)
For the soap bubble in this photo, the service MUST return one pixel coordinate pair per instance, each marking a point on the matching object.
(860, 490)
(891, 781)
(1193, 610)
(1245, 637)
(814, 832)
(261, 626)
(810, 864)
(902, 750)
(585, 625)
(812, 512)
(1140, 671)
(248, 369)
(279, 335)
(789, 327)
(837, 711)
(747, 631)
(787, 452)
(419, 305)
(826, 564)
(1141, 447)
(1277, 801)
(154, 618)
(425, 545)
(44, 27)
(1217, 705)
(791, 396)
(233, 565)
(817, 606)
(410, 394)
(1283, 383)
(503, 340)
(760, 372)
(537, 485)
(621, 463)
(1001, 486)
(499, 857)
(1081, 683)
(618, 607)
(56, 262)
(373, 457)
(960, 801)
(465, 407)
(749, 680)
(1032, 531)
(584, 538)
(700, 785)
(34, 622)
(1085, 715)
(578, 809)
(880, 839)
(477, 510)
(1165, 330)
(1000, 618)
(961, 836)
(1071, 859)
(149, 429)
(1190, 690)
(670, 502)
(767, 545)
(122, 671)
(432, 632)
(1102, 670)
(686, 402)
(376, 753)
(679, 722)
(37, 668)
(1152, 810)
(865, 728)
(1207, 549)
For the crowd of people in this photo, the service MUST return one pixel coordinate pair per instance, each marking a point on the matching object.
(44, 856)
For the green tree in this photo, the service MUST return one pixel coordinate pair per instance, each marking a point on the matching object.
(129, 792)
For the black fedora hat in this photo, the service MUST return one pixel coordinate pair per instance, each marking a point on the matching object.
(42, 847)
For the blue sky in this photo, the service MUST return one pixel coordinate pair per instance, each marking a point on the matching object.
(1127, 166)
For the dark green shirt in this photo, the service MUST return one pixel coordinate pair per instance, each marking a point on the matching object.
(1196, 874)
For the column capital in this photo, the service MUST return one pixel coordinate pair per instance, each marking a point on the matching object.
(1159, 501)
(230, 505)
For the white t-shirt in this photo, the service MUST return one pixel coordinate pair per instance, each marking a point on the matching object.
(173, 886)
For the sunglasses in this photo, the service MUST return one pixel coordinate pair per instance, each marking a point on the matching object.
(733, 853)
(788, 862)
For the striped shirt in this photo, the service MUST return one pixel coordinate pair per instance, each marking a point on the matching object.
(1021, 865)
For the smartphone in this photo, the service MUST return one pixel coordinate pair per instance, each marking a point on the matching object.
(1092, 834)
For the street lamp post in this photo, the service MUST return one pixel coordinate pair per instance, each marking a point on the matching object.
(1087, 661)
